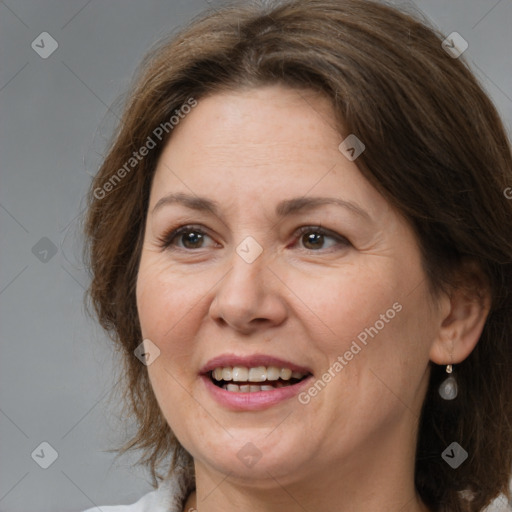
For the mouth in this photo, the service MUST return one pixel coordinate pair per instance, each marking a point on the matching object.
(242, 379)
(253, 383)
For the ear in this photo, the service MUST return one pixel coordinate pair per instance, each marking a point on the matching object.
(462, 316)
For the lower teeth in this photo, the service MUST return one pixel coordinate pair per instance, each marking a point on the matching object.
(250, 388)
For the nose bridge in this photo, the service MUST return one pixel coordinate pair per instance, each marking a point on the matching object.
(250, 250)
(247, 293)
(246, 280)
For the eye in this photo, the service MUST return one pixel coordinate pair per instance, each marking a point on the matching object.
(314, 238)
(191, 237)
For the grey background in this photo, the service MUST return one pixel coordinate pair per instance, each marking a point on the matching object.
(56, 365)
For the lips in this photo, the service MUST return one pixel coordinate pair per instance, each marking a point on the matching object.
(266, 379)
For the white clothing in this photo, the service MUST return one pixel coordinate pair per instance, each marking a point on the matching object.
(170, 496)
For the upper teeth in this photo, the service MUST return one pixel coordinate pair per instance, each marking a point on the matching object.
(256, 374)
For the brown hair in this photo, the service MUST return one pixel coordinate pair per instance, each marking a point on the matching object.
(435, 148)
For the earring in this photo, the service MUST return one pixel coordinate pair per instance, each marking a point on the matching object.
(448, 388)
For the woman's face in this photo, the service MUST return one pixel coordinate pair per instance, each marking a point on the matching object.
(290, 261)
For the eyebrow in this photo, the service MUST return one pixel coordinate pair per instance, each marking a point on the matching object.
(283, 209)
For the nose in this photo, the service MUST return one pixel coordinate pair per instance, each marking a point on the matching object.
(249, 297)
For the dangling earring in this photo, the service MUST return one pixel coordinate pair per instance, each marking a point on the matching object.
(448, 388)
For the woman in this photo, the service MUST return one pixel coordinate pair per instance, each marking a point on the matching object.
(300, 241)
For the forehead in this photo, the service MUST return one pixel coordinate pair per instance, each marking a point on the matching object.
(255, 124)
(260, 144)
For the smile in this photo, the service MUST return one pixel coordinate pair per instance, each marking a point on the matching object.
(252, 382)
(240, 379)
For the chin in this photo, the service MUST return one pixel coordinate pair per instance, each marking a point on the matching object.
(254, 457)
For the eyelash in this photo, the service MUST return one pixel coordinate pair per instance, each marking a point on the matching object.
(165, 242)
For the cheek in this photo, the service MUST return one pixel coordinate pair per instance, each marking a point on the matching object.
(167, 307)
(165, 299)
(377, 319)
(351, 299)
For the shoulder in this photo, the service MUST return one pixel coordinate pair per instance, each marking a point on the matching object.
(169, 497)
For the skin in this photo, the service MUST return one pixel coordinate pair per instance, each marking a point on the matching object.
(351, 448)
